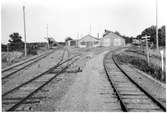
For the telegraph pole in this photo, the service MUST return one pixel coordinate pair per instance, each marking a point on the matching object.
(97, 35)
(147, 48)
(47, 35)
(162, 64)
(157, 45)
(90, 29)
(148, 60)
(77, 35)
(25, 46)
(47, 30)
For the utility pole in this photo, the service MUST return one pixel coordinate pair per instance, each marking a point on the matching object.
(97, 35)
(162, 64)
(90, 29)
(8, 56)
(157, 45)
(147, 48)
(47, 35)
(77, 35)
(25, 45)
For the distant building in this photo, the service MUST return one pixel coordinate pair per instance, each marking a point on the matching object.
(72, 43)
(110, 39)
(136, 41)
(88, 41)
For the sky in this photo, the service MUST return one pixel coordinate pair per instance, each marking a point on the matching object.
(76, 18)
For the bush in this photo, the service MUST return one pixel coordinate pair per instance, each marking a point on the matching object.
(4, 59)
(32, 51)
(3, 47)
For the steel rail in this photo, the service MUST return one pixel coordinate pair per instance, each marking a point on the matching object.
(35, 60)
(156, 101)
(31, 62)
(36, 77)
(28, 60)
(122, 104)
(14, 107)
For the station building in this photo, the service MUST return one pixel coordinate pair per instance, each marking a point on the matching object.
(112, 40)
(109, 39)
(88, 41)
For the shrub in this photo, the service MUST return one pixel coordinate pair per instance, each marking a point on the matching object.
(4, 59)
(32, 51)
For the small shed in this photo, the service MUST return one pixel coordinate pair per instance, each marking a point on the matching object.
(72, 43)
(88, 41)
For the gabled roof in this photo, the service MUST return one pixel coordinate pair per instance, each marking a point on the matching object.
(89, 36)
(111, 35)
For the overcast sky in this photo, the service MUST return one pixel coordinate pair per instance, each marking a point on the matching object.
(69, 17)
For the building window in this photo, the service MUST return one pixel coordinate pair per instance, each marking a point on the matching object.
(83, 43)
(96, 42)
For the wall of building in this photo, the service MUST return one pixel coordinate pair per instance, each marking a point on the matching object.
(88, 41)
(105, 42)
(112, 40)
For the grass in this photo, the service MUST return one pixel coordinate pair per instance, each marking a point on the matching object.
(153, 52)
(141, 64)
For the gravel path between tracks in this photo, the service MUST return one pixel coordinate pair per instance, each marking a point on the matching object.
(88, 90)
(91, 91)
(30, 72)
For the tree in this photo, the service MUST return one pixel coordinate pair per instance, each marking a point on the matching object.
(151, 31)
(139, 37)
(161, 35)
(106, 32)
(3, 47)
(15, 43)
(117, 33)
(127, 39)
(68, 38)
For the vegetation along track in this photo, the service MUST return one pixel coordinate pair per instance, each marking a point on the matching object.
(131, 96)
(6, 73)
(24, 93)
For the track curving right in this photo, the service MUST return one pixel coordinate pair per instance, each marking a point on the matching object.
(131, 97)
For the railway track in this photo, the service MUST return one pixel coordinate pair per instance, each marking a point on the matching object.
(131, 96)
(6, 73)
(24, 93)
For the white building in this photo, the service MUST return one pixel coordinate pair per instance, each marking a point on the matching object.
(88, 41)
(112, 40)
